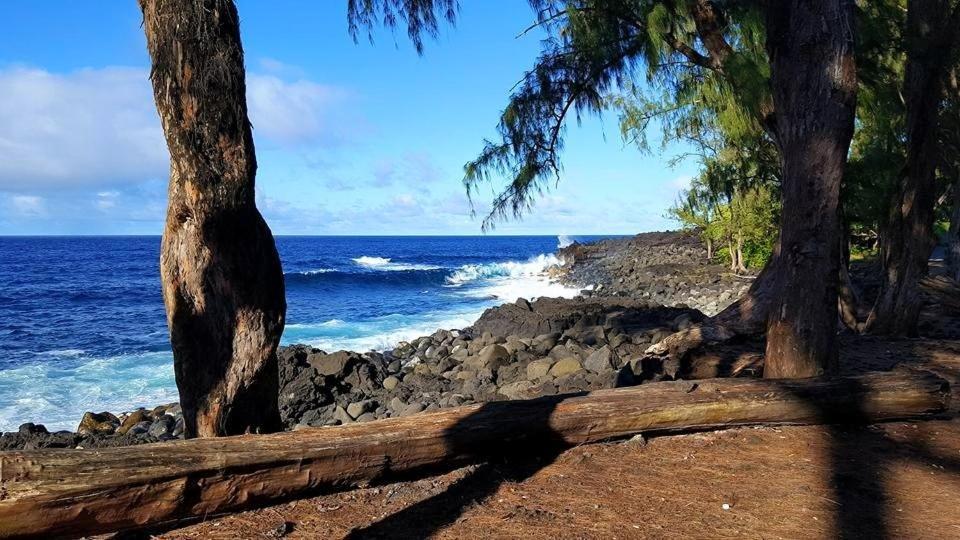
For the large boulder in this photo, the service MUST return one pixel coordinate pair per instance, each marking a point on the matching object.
(301, 395)
(539, 369)
(544, 342)
(516, 390)
(334, 364)
(162, 427)
(104, 423)
(601, 360)
(132, 419)
(491, 357)
(566, 366)
(292, 360)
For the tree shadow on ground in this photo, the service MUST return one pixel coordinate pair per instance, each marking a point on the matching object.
(860, 459)
(509, 455)
(861, 456)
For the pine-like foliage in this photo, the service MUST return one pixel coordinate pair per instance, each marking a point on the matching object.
(699, 69)
(421, 17)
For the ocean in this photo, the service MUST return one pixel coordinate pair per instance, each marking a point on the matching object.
(83, 327)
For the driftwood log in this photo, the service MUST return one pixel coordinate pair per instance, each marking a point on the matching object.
(46, 493)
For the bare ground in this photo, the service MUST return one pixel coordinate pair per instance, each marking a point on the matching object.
(899, 479)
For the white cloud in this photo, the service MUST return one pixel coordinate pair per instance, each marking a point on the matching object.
(292, 112)
(405, 200)
(28, 205)
(89, 127)
(106, 200)
(95, 128)
(410, 169)
(273, 66)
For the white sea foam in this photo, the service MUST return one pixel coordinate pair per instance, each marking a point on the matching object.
(324, 324)
(380, 333)
(507, 281)
(532, 268)
(58, 396)
(70, 353)
(316, 272)
(564, 241)
(386, 264)
(491, 284)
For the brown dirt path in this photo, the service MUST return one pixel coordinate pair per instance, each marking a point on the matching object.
(896, 480)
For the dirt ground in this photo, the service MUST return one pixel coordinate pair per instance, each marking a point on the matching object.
(898, 480)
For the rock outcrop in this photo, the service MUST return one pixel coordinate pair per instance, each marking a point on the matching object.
(664, 268)
(515, 351)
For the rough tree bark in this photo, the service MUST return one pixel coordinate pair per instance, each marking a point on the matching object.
(953, 236)
(811, 120)
(814, 82)
(741, 267)
(733, 255)
(849, 302)
(908, 237)
(222, 281)
(951, 147)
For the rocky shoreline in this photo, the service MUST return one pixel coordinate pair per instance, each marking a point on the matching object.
(641, 289)
(664, 268)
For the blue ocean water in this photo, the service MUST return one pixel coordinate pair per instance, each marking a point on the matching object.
(83, 327)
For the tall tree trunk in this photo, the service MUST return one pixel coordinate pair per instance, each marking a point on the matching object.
(709, 249)
(811, 119)
(908, 238)
(849, 302)
(953, 236)
(741, 267)
(813, 77)
(222, 280)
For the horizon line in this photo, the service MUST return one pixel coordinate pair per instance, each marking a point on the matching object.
(332, 235)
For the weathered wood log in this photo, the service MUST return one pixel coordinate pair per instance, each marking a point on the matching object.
(942, 290)
(71, 493)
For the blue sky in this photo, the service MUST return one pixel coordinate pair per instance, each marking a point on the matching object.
(352, 138)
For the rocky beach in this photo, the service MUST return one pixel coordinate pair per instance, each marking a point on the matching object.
(636, 291)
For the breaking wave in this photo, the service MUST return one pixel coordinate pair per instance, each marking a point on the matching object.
(386, 264)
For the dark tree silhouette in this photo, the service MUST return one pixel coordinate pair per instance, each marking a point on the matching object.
(931, 39)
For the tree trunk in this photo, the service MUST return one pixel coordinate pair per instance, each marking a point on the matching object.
(813, 77)
(908, 238)
(733, 255)
(953, 237)
(222, 280)
(709, 249)
(82, 492)
(740, 266)
(811, 120)
(849, 301)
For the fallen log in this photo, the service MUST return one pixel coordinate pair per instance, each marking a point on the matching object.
(942, 290)
(72, 493)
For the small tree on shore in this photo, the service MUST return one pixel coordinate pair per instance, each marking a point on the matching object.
(695, 210)
(744, 225)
